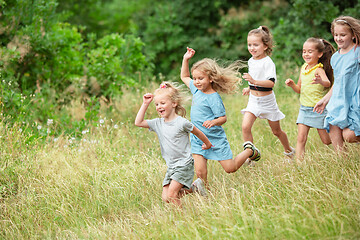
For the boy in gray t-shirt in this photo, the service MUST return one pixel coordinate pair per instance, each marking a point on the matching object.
(173, 133)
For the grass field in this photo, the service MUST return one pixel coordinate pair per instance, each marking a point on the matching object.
(108, 185)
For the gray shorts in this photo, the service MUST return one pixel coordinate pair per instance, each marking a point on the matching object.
(181, 174)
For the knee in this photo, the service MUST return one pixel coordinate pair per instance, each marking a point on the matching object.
(326, 141)
(277, 132)
(301, 139)
(201, 173)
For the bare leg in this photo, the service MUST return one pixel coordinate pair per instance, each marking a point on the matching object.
(336, 138)
(171, 193)
(248, 122)
(349, 136)
(279, 133)
(303, 132)
(200, 164)
(324, 136)
(232, 165)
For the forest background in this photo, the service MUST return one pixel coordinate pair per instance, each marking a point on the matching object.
(53, 53)
(73, 165)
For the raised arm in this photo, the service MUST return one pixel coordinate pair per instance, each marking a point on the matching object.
(207, 144)
(185, 73)
(139, 120)
(321, 78)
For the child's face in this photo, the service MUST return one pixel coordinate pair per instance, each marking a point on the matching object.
(164, 106)
(343, 37)
(256, 46)
(202, 81)
(310, 54)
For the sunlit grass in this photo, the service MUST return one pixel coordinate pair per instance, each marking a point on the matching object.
(107, 185)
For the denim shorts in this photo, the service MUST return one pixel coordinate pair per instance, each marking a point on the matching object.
(310, 118)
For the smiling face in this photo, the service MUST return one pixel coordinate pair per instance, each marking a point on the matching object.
(256, 46)
(165, 107)
(310, 54)
(343, 37)
(202, 81)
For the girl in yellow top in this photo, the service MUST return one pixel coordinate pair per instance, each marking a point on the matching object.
(316, 54)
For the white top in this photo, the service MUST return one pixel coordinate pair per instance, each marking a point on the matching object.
(263, 69)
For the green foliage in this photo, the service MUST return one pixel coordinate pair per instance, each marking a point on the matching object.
(303, 20)
(117, 61)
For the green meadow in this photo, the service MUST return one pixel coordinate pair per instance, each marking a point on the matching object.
(107, 184)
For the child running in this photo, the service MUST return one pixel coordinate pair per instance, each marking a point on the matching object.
(343, 100)
(316, 54)
(208, 113)
(173, 133)
(261, 78)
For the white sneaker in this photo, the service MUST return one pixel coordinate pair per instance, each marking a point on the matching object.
(198, 186)
(290, 154)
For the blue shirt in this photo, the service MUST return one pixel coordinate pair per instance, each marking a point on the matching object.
(208, 107)
(344, 105)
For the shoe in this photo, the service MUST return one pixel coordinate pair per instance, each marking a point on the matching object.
(198, 186)
(256, 152)
(290, 154)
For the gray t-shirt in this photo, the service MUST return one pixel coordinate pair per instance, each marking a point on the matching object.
(174, 140)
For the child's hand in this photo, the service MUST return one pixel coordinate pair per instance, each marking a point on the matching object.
(147, 98)
(246, 91)
(317, 79)
(289, 82)
(247, 77)
(208, 124)
(204, 146)
(320, 106)
(189, 53)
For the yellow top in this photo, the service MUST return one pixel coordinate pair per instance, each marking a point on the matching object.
(310, 93)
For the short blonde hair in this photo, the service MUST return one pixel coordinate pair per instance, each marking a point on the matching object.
(224, 79)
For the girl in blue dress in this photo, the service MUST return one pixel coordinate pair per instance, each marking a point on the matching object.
(343, 100)
(208, 113)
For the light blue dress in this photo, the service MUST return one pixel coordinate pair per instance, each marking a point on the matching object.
(344, 105)
(208, 107)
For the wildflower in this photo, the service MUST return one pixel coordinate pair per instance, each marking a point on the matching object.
(50, 121)
(116, 126)
(101, 121)
(39, 127)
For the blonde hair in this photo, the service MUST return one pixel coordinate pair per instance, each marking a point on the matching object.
(225, 79)
(266, 38)
(174, 91)
(353, 25)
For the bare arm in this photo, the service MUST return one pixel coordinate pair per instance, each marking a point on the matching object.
(296, 87)
(207, 144)
(215, 122)
(185, 73)
(321, 78)
(320, 105)
(139, 120)
(260, 83)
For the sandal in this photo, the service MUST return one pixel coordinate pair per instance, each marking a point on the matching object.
(256, 152)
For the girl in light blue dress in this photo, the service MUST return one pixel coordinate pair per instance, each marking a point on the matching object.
(208, 113)
(343, 100)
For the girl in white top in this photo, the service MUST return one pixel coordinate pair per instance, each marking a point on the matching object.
(261, 78)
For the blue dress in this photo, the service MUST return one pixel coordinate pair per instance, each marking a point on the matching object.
(344, 105)
(208, 107)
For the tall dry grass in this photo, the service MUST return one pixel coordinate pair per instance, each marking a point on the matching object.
(108, 185)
